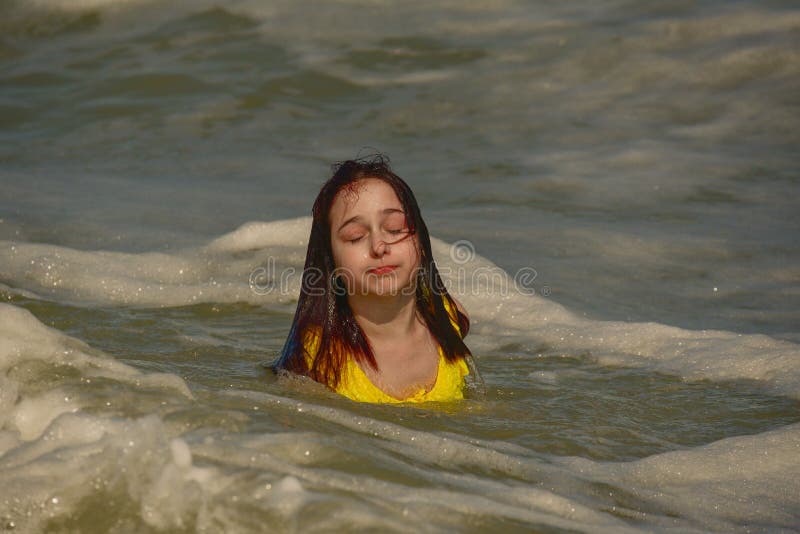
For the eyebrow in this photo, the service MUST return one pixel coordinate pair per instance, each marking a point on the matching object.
(358, 218)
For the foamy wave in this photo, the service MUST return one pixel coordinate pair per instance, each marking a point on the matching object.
(220, 272)
(48, 425)
(729, 485)
(457, 493)
(261, 262)
(737, 482)
(99, 457)
(33, 351)
(170, 478)
(503, 312)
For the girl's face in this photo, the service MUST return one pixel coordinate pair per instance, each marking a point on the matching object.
(373, 251)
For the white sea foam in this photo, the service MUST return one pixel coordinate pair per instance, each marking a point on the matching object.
(32, 415)
(739, 483)
(461, 494)
(25, 345)
(729, 485)
(97, 455)
(502, 311)
(219, 272)
(140, 461)
(146, 462)
(54, 454)
(500, 317)
(88, 456)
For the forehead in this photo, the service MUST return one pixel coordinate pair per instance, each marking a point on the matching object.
(362, 198)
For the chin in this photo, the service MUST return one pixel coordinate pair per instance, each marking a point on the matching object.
(389, 287)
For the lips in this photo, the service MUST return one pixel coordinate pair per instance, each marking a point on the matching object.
(386, 269)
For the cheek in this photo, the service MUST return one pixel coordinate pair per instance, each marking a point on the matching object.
(410, 254)
(346, 255)
(338, 254)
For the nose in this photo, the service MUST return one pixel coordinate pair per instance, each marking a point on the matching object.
(379, 247)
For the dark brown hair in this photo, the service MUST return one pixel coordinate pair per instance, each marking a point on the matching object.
(323, 308)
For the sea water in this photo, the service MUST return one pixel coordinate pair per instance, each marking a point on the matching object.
(612, 192)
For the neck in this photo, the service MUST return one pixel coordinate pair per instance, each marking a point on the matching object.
(384, 316)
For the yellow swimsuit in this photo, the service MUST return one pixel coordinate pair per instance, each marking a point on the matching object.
(355, 384)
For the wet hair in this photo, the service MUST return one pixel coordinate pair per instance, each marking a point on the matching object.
(323, 307)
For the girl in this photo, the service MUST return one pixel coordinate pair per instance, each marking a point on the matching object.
(374, 321)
